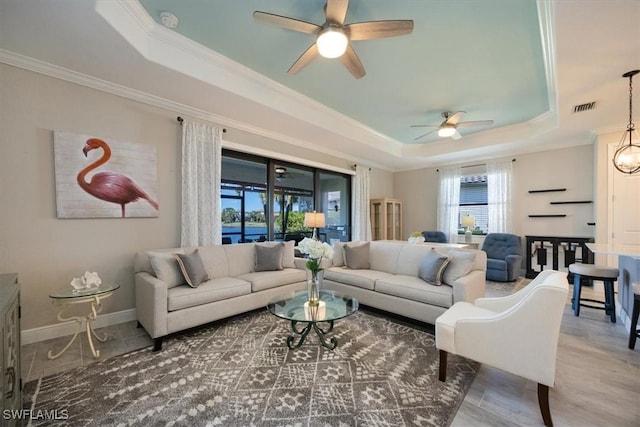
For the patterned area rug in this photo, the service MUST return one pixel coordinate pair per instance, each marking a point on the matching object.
(239, 372)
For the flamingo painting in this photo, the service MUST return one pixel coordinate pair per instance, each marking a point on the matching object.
(110, 186)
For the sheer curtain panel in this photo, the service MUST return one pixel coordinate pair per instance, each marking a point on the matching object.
(201, 165)
(448, 203)
(361, 218)
(499, 184)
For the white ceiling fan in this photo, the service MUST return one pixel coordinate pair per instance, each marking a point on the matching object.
(450, 125)
(334, 37)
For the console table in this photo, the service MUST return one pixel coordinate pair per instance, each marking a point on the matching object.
(570, 245)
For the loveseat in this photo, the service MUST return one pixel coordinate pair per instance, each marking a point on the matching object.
(392, 280)
(166, 303)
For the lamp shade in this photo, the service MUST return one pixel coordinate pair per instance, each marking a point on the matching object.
(468, 221)
(314, 219)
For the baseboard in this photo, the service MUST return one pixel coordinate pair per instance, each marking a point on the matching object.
(62, 329)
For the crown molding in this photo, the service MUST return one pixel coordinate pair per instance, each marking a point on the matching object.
(174, 51)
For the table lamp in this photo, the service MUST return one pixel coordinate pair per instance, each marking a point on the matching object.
(314, 220)
(469, 222)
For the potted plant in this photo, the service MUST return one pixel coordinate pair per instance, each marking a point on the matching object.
(416, 238)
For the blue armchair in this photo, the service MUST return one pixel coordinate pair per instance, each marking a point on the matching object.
(434, 236)
(504, 256)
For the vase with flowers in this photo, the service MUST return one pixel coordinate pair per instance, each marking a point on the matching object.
(315, 251)
(416, 238)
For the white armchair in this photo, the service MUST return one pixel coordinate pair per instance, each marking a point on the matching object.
(517, 333)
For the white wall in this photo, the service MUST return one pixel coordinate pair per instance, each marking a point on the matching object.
(47, 252)
(569, 168)
(380, 184)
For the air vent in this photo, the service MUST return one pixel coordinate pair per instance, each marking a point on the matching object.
(584, 107)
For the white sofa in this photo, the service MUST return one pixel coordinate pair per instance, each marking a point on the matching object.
(166, 304)
(392, 284)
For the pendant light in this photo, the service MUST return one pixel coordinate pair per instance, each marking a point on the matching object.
(627, 156)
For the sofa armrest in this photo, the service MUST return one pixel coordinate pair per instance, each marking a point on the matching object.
(514, 262)
(151, 304)
(470, 287)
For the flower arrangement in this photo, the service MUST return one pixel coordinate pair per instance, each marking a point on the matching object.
(87, 281)
(416, 237)
(416, 234)
(315, 250)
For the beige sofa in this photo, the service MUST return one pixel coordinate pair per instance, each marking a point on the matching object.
(166, 304)
(392, 284)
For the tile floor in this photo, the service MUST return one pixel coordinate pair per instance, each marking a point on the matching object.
(597, 376)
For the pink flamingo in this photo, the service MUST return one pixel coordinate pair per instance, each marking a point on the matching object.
(109, 186)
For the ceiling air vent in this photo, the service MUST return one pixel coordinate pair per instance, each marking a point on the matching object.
(584, 107)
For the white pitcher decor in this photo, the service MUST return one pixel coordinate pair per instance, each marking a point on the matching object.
(315, 250)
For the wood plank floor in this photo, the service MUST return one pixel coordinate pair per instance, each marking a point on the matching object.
(597, 377)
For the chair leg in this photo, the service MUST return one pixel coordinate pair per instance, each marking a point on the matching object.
(157, 344)
(576, 294)
(543, 401)
(610, 300)
(633, 332)
(442, 375)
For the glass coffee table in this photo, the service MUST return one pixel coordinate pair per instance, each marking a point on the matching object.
(304, 318)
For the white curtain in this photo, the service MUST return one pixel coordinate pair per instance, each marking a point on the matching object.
(201, 164)
(360, 217)
(448, 203)
(499, 184)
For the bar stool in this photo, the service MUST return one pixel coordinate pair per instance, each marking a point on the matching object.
(634, 332)
(594, 272)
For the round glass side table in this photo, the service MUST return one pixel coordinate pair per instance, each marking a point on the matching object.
(93, 296)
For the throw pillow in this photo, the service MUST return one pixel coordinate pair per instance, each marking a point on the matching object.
(460, 265)
(356, 257)
(269, 258)
(432, 267)
(288, 253)
(338, 254)
(192, 268)
(166, 268)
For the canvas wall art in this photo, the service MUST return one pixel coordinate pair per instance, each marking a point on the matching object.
(99, 177)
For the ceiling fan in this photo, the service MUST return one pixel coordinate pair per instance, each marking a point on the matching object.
(334, 37)
(450, 125)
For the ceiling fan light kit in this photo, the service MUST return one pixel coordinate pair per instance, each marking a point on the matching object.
(332, 42)
(627, 156)
(449, 126)
(446, 131)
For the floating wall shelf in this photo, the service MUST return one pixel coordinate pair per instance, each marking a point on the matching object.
(547, 191)
(548, 216)
(591, 223)
(573, 202)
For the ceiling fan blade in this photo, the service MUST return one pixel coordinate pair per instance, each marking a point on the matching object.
(455, 117)
(288, 23)
(337, 10)
(475, 123)
(456, 135)
(350, 60)
(424, 134)
(379, 29)
(425, 126)
(309, 55)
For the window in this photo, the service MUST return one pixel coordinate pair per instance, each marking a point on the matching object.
(265, 199)
(473, 202)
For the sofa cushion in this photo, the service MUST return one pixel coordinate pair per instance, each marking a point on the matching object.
(361, 278)
(415, 289)
(215, 261)
(496, 264)
(432, 267)
(357, 257)
(223, 288)
(241, 258)
(165, 266)
(192, 268)
(460, 265)
(269, 258)
(261, 280)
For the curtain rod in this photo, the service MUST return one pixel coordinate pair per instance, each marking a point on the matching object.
(181, 120)
(473, 166)
(354, 166)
